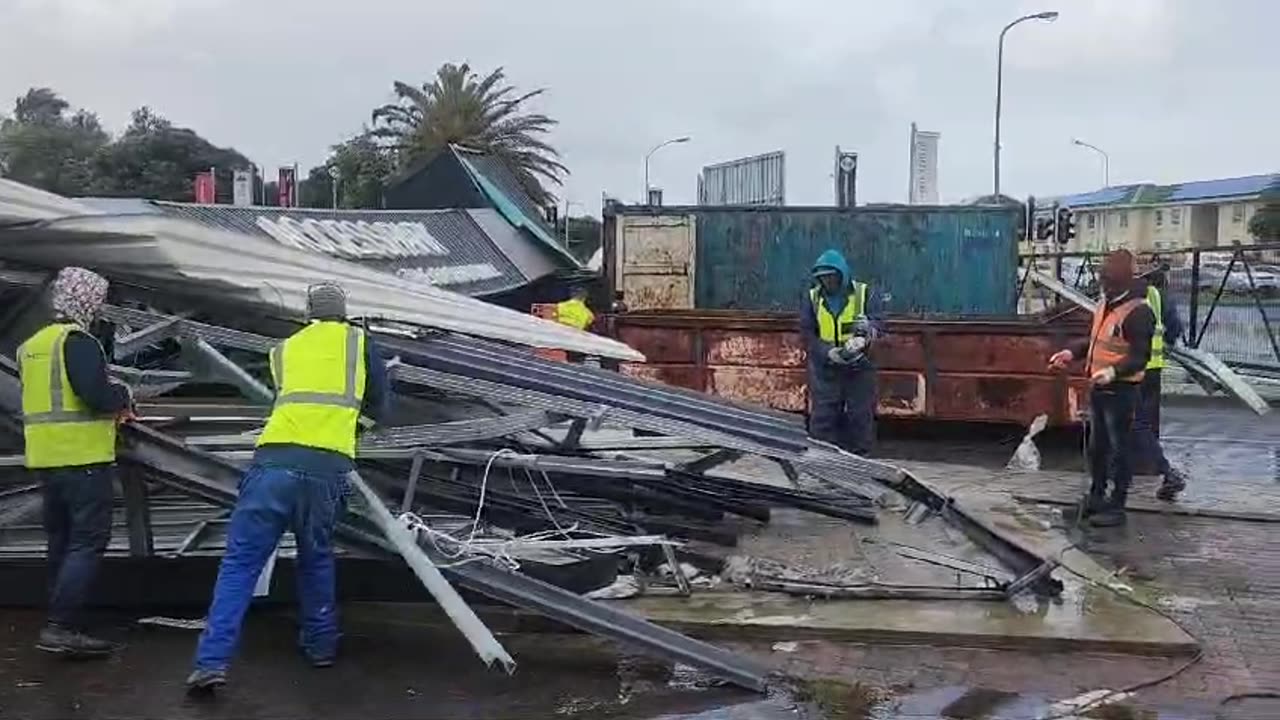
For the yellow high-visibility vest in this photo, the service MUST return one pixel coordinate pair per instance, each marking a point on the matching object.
(319, 375)
(1157, 340)
(836, 330)
(59, 428)
(574, 313)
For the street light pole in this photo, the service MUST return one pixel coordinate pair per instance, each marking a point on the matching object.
(1106, 160)
(645, 198)
(1049, 16)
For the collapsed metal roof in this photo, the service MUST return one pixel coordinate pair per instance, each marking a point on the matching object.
(223, 266)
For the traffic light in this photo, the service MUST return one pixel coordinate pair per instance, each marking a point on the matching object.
(1065, 227)
(1044, 228)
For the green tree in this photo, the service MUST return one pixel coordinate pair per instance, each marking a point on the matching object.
(156, 159)
(485, 113)
(1265, 223)
(363, 166)
(44, 146)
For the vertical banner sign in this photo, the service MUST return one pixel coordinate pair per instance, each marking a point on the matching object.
(206, 188)
(924, 167)
(846, 177)
(288, 187)
(242, 187)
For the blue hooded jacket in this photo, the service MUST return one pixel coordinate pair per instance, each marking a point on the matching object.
(833, 258)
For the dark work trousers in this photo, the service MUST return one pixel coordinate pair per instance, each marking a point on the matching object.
(77, 521)
(1148, 453)
(1110, 424)
(842, 406)
(271, 500)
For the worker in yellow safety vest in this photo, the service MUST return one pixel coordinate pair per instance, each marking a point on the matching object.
(70, 408)
(838, 319)
(1148, 451)
(574, 311)
(1118, 350)
(326, 375)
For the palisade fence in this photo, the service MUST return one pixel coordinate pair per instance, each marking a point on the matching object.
(1227, 297)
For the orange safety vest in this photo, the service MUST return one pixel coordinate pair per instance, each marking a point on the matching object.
(1108, 346)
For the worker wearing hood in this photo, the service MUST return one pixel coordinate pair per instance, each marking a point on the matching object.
(70, 408)
(838, 322)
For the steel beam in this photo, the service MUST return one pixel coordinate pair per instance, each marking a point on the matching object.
(215, 363)
(155, 332)
(209, 478)
(137, 513)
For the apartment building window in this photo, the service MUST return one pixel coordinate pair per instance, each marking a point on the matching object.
(1092, 221)
(1237, 213)
(1124, 219)
(1175, 216)
(1159, 218)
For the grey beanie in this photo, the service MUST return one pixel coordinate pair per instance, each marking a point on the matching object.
(326, 301)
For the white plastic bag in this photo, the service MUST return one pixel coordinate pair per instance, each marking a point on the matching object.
(1027, 456)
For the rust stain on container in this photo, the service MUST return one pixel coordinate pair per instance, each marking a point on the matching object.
(901, 394)
(773, 387)
(1026, 354)
(661, 345)
(684, 376)
(754, 349)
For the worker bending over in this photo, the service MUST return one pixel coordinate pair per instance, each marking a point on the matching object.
(1118, 348)
(837, 322)
(574, 311)
(325, 375)
(70, 408)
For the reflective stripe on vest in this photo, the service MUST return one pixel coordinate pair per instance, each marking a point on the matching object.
(59, 429)
(836, 330)
(319, 375)
(1107, 344)
(1157, 340)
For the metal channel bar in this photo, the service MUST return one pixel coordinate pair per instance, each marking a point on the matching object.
(469, 346)
(565, 380)
(211, 479)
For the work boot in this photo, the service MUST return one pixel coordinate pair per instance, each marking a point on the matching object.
(1111, 517)
(62, 640)
(205, 681)
(1174, 483)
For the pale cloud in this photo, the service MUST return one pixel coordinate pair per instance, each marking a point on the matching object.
(1173, 89)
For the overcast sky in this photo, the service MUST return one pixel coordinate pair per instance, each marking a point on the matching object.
(1173, 89)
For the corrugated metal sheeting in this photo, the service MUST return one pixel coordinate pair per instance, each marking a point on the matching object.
(759, 180)
(444, 247)
(922, 259)
(231, 268)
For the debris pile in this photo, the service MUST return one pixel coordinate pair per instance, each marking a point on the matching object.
(495, 475)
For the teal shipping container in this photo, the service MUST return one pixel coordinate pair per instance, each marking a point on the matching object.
(955, 260)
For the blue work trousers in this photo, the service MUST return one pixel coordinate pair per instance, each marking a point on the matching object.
(1110, 424)
(1148, 453)
(77, 522)
(842, 406)
(270, 500)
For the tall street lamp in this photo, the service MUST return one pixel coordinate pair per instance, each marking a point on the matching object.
(1049, 16)
(656, 148)
(1106, 160)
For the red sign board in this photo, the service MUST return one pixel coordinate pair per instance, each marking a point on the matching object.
(206, 188)
(288, 186)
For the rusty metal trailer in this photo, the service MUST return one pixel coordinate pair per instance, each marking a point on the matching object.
(961, 369)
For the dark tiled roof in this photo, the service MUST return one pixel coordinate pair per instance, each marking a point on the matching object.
(446, 247)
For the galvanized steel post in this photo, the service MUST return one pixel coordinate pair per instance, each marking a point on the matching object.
(1049, 16)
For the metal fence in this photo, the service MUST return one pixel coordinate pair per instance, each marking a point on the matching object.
(1228, 298)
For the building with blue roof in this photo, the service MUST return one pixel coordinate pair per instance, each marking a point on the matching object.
(1149, 218)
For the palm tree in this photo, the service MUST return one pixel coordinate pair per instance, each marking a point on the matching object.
(458, 106)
